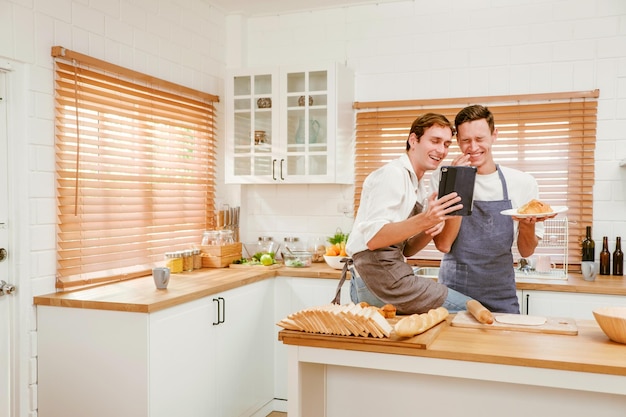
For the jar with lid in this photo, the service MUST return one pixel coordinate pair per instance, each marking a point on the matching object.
(174, 261)
(187, 260)
(226, 237)
(197, 259)
(317, 247)
(211, 238)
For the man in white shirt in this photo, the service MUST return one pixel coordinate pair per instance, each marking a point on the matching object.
(396, 218)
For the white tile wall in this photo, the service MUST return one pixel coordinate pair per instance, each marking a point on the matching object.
(424, 49)
(402, 50)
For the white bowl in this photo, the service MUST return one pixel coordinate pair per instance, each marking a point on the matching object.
(334, 261)
(612, 321)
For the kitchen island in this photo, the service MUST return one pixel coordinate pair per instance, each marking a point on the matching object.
(463, 372)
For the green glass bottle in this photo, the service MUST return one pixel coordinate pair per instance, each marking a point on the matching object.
(588, 247)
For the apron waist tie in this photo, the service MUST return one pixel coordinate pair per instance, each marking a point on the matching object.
(346, 263)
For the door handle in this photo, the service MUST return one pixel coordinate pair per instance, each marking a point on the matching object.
(3, 254)
(221, 312)
(6, 288)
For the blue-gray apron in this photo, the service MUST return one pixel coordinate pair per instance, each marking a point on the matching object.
(480, 262)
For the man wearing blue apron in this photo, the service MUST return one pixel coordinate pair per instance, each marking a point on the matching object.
(478, 260)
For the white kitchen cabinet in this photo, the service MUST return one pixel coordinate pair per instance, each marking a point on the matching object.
(171, 362)
(295, 294)
(290, 126)
(566, 304)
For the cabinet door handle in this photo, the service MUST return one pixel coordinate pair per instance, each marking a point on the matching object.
(215, 323)
(274, 169)
(281, 169)
(221, 312)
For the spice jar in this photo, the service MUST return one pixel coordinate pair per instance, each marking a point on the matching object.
(174, 261)
(187, 261)
(197, 259)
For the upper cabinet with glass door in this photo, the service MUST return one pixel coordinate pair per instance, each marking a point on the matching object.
(306, 136)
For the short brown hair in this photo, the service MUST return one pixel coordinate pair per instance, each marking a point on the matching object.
(474, 112)
(424, 122)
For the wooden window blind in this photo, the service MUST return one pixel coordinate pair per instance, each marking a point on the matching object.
(135, 165)
(551, 136)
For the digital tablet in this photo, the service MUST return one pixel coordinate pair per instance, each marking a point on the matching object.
(460, 179)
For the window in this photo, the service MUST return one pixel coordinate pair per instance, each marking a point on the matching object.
(551, 136)
(135, 164)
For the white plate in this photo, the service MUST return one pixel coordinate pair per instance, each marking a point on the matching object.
(513, 212)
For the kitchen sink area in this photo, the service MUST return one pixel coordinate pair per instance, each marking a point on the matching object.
(432, 272)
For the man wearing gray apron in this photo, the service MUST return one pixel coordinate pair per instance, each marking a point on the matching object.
(466, 268)
(392, 222)
(478, 259)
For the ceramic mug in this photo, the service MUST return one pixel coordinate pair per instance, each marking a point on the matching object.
(588, 269)
(543, 264)
(161, 276)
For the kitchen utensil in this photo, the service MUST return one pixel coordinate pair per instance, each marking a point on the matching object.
(612, 321)
(555, 325)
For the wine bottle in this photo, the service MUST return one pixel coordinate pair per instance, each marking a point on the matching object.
(618, 257)
(605, 257)
(589, 247)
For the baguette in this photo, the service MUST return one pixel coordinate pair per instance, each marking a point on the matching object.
(418, 323)
(479, 312)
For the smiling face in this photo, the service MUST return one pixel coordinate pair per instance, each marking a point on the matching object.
(427, 152)
(476, 140)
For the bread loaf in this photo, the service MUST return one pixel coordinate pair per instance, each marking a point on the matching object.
(388, 311)
(535, 207)
(418, 323)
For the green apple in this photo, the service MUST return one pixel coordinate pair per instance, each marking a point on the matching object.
(266, 259)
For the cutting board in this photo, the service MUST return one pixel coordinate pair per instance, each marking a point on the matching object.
(555, 325)
(246, 266)
(420, 341)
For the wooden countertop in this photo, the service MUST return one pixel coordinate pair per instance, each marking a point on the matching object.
(590, 351)
(140, 295)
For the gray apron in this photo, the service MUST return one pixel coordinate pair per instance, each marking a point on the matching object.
(480, 262)
(391, 280)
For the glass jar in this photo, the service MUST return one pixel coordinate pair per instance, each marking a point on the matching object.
(226, 237)
(317, 247)
(211, 238)
(174, 261)
(187, 260)
(292, 243)
(197, 259)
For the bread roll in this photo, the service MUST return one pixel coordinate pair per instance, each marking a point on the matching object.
(535, 207)
(418, 323)
(388, 311)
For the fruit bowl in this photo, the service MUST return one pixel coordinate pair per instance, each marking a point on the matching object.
(612, 321)
(334, 261)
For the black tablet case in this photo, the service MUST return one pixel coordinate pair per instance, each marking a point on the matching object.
(460, 179)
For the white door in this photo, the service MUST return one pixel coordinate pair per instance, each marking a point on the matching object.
(5, 300)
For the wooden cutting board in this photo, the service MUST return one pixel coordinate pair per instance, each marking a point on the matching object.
(246, 266)
(555, 325)
(420, 341)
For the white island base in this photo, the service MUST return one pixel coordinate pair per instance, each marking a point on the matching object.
(327, 382)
